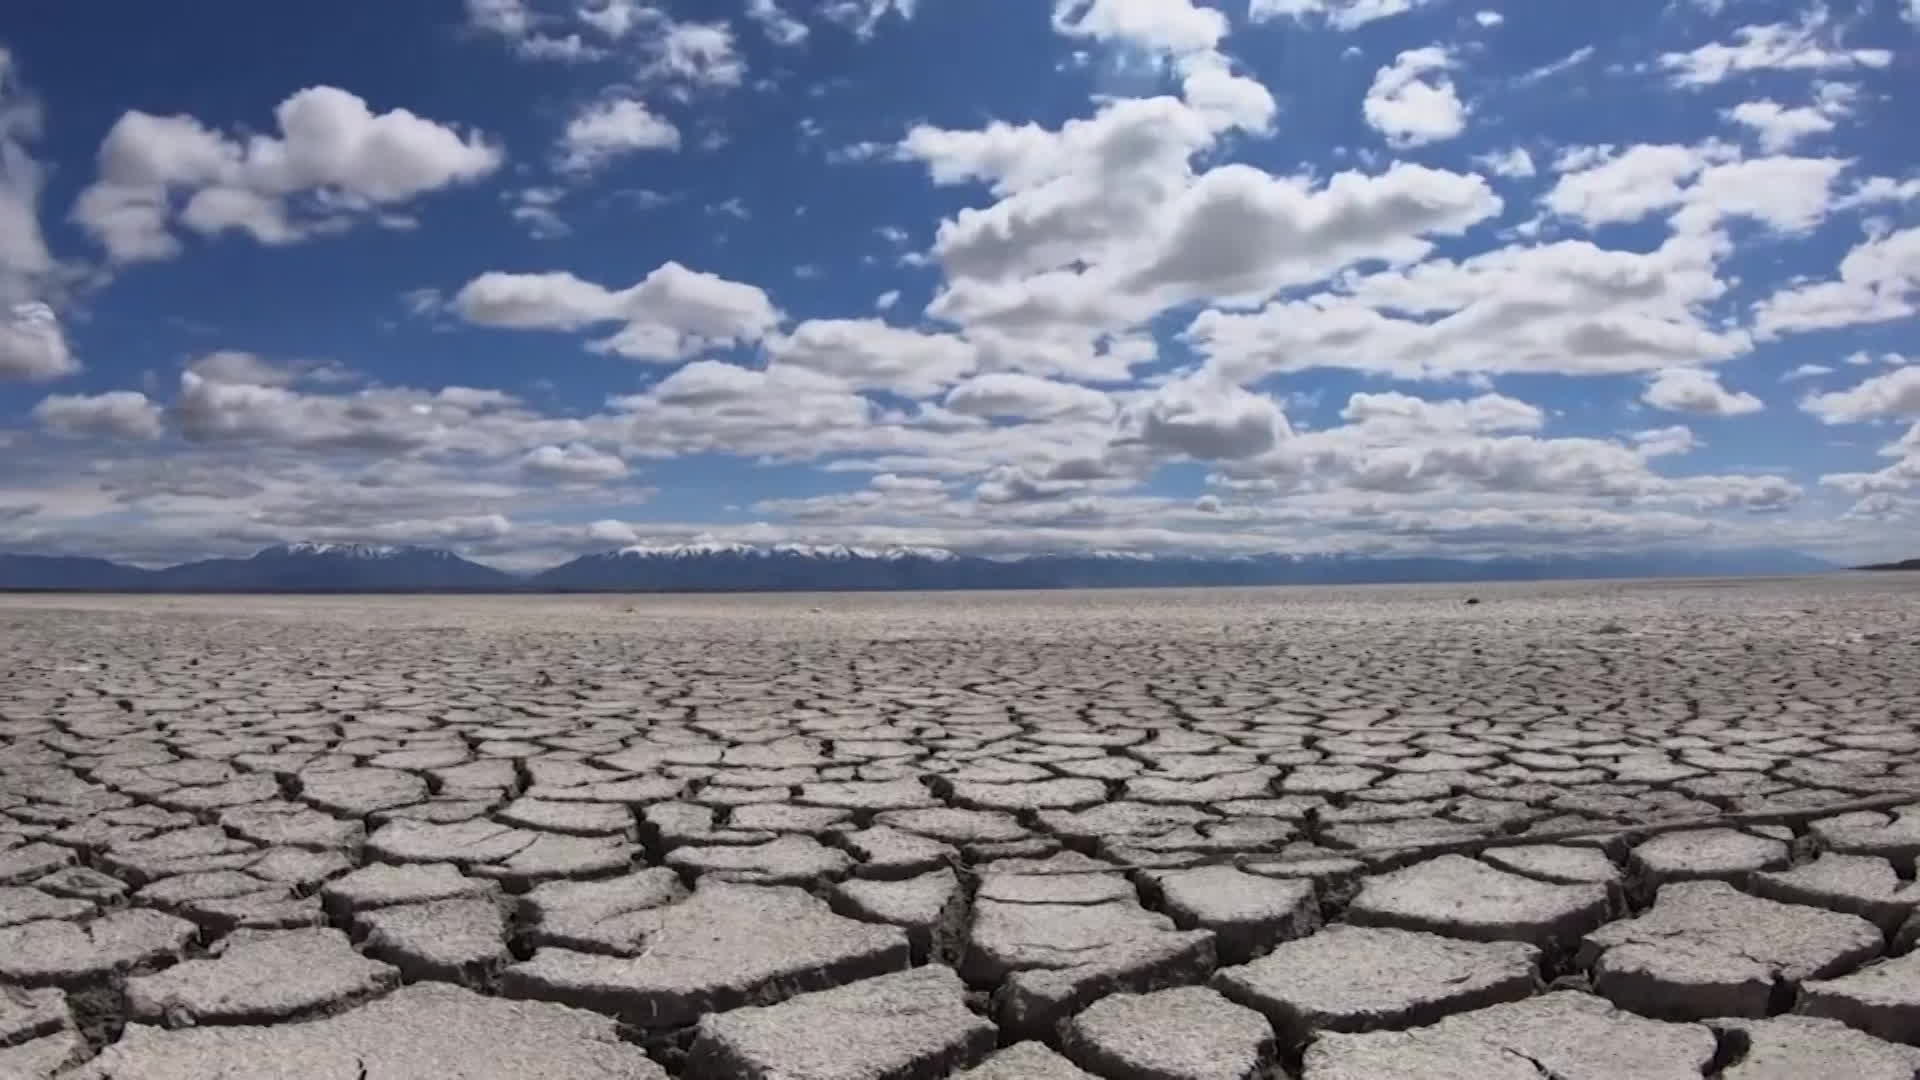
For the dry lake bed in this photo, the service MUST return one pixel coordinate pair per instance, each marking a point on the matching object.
(1572, 830)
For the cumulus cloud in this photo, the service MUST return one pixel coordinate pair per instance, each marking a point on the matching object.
(1484, 414)
(33, 346)
(608, 129)
(376, 420)
(1102, 222)
(863, 17)
(238, 366)
(1692, 390)
(1808, 45)
(120, 414)
(1666, 441)
(671, 314)
(1778, 127)
(1412, 102)
(1339, 14)
(1806, 371)
(1205, 419)
(1895, 394)
(1569, 307)
(1879, 281)
(698, 54)
(33, 343)
(1175, 26)
(1011, 394)
(334, 162)
(870, 355)
(780, 28)
(572, 464)
(1701, 186)
(1513, 164)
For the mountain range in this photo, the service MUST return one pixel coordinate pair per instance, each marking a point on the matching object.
(729, 567)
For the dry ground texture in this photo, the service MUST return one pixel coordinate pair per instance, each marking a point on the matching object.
(1635, 830)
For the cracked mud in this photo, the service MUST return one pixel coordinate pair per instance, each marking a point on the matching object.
(1632, 829)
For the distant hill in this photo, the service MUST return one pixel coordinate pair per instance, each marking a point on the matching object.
(336, 566)
(1905, 564)
(68, 572)
(726, 567)
(708, 567)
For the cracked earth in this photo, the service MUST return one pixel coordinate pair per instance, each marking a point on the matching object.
(1578, 830)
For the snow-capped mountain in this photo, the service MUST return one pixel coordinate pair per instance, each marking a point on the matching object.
(832, 552)
(310, 565)
(715, 566)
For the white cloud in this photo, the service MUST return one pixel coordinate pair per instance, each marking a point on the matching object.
(32, 344)
(1777, 126)
(575, 463)
(120, 414)
(1173, 26)
(870, 355)
(886, 300)
(1879, 281)
(1513, 164)
(783, 410)
(862, 17)
(1339, 14)
(1568, 307)
(1607, 187)
(1027, 397)
(1808, 45)
(1692, 390)
(607, 129)
(671, 314)
(700, 54)
(345, 160)
(1412, 102)
(1806, 371)
(235, 366)
(1103, 222)
(1702, 185)
(1883, 397)
(1489, 18)
(1485, 414)
(1205, 419)
(618, 18)
(1558, 67)
(780, 28)
(608, 531)
(1666, 441)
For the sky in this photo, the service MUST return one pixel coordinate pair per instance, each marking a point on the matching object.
(533, 278)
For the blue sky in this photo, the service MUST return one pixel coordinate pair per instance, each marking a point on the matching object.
(530, 278)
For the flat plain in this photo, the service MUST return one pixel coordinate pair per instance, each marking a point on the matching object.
(1573, 830)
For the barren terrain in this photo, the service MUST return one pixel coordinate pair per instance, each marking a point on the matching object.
(1565, 830)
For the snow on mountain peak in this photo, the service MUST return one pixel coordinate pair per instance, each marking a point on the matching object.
(825, 552)
(350, 551)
